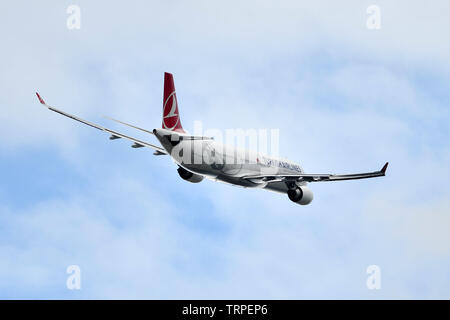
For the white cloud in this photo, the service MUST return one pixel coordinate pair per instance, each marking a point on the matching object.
(341, 94)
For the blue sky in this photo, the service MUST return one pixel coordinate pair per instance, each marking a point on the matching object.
(345, 99)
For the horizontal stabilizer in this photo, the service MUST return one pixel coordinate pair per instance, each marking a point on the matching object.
(129, 125)
(183, 137)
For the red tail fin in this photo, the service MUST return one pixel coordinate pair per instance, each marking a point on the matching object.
(171, 117)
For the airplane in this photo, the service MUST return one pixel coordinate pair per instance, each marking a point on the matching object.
(200, 157)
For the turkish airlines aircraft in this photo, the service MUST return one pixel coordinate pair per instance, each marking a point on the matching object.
(198, 157)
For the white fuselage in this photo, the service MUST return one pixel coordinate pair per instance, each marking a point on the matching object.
(219, 162)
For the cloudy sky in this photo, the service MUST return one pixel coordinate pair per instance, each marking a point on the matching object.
(345, 99)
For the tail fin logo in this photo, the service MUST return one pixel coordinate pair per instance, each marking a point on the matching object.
(170, 115)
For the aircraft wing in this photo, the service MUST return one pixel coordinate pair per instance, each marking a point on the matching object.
(114, 134)
(316, 177)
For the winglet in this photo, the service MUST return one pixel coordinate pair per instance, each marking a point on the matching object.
(383, 170)
(40, 99)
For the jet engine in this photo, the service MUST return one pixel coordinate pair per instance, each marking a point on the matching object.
(301, 195)
(189, 176)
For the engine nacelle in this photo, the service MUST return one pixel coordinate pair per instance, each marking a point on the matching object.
(301, 195)
(189, 176)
